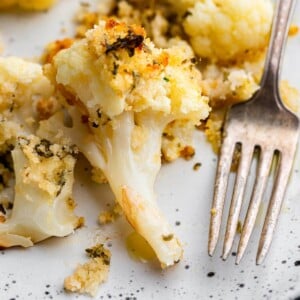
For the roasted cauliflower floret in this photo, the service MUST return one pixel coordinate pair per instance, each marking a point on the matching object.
(121, 93)
(42, 204)
(226, 30)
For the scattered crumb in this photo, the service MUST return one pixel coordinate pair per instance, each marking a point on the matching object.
(294, 30)
(187, 152)
(197, 166)
(213, 211)
(111, 215)
(81, 222)
(88, 277)
(239, 227)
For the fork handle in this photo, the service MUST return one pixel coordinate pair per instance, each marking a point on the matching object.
(277, 44)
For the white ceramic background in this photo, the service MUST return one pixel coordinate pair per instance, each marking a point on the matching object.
(183, 194)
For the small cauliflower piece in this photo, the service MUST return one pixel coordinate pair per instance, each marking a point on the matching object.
(228, 85)
(121, 93)
(24, 94)
(227, 30)
(87, 277)
(43, 205)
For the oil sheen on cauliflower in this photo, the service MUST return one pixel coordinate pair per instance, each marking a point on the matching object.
(41, 204)
(121, 93)
(226, 30)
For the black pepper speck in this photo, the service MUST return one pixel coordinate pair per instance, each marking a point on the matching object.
(297, 263)
(210, 274)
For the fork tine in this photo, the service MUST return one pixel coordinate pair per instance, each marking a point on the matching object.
(265, 161)
(284, 169)
(220, 189)
(238, 194)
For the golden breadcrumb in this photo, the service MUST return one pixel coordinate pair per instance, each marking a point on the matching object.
(197, 166)
(187, 152)
(293, 30)
(111, 215)
(213, 211)
(239, 227)
(213, 128)
(81, 222)
(87, 277)
(54, 47)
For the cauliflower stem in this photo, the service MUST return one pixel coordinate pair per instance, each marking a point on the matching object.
(121, 92)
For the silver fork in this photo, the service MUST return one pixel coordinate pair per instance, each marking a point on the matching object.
(263, 123)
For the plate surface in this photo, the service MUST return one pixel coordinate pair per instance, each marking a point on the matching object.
(183, 194)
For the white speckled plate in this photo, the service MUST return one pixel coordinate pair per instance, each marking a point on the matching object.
(184, 195)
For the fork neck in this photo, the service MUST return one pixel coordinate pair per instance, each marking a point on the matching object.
(277, 44)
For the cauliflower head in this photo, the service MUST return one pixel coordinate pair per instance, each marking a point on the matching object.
(227, 30)
(121, 92)
(40, 205)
